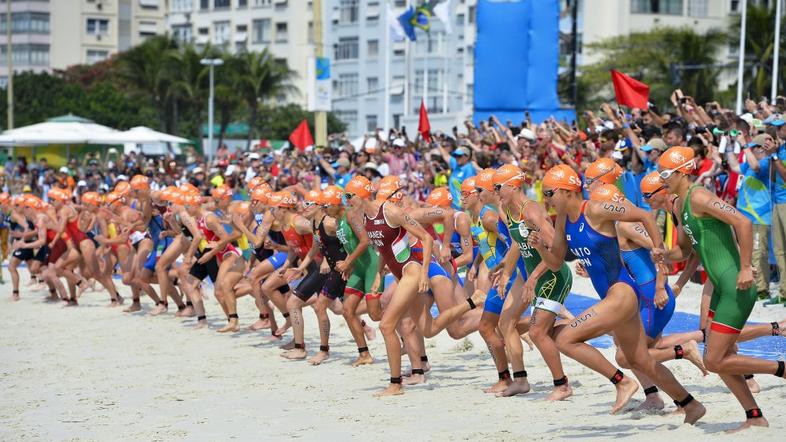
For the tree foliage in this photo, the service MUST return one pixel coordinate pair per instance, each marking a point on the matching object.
(164, 85)
(665, 58)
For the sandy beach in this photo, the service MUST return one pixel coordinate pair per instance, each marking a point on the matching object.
(95, 373)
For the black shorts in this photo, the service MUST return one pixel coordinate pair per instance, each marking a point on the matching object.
(202, 271)
(283, 289)
(311, 284)
(334, 285)
(42, 254)
(23, 254)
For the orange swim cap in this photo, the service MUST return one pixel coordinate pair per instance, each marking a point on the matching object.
(123, 188)
(189, 188)
(91, 199)
(440, 197)
(485, 179)
(313, 196)
(222, 192)
(360, 186)
(562, 177)
(607, 193)
(651, 184)
(261, 194)
(331, 196)
(509, 175)
(255, 182)
(140, 182)
(468, 185)
(679, 158)
(283, 199)
(604, 170)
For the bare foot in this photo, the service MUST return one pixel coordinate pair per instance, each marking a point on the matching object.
(363, 359)
(499, 387)
(626, 388)
(82, 287)
(756, 422)
(414, 379)
(693, 412)
(15, 297)
(188, 312)
(527, 340)
(652, 402)
(232, 327)
(71, 303)
(295, 353)
(160, 309)
(283, 329)
(288, 346)
(370, 333)
(260, 324)
(518, 386)
(273, 338)
(134, 307)
(690, 352)
(202, 323)
(391, 390)
(319, 358)
(560, 393)
(753, 385)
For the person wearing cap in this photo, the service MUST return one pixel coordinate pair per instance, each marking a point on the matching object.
(649, 153)
(588, 229)
(723, 239)
(754, 201)
(778, 163)
(388, 229)
(544, 289)
(339, 170)
(461, 168)
(398, 158)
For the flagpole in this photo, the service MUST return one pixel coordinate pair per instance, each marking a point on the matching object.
(445, 76)
(425, 69)
(386, 81)
(741, 60)
(777, 43)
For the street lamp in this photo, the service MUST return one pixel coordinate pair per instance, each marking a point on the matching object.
(212, 62)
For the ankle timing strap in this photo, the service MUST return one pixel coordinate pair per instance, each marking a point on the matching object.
(264, 316)
(471, 304)
(417, 371)
(300, 346)
(395, 380)
(684, 402)
(201, 318)
(325, 348)
(748, 376)
(781, 369)
(519, 374)
(362, 350)
(617, 378)
(679, 353)
(424, 358)
(753, 413)
(776, 329)
(650, 390)
(504, 374)
(232, 316)
(561, 381)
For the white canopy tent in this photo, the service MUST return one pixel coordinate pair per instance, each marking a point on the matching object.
(72, 130)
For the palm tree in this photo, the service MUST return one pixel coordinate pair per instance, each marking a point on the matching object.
(189, 81)
(143, 68)
(259, 77)
(759, 48)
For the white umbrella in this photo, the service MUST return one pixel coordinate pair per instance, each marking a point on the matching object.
(138, 135)
(67, 129)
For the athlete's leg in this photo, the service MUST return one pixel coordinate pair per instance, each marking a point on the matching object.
(229, 273)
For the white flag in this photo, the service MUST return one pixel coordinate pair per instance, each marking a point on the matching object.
(442, 11)
(395, 29)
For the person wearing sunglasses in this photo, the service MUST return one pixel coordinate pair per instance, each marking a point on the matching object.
(490, 249)
(544, 289)
(657, 301)
(359, 269)
(299, 236)
(389, 229)
(588, 229)
(711, 226)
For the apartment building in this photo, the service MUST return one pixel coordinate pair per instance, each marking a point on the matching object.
(284, 27)
(55, 34)
(440, 61)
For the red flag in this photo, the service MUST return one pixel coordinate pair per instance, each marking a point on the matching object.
(301, 136)
(424, 127)
(630, 92)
